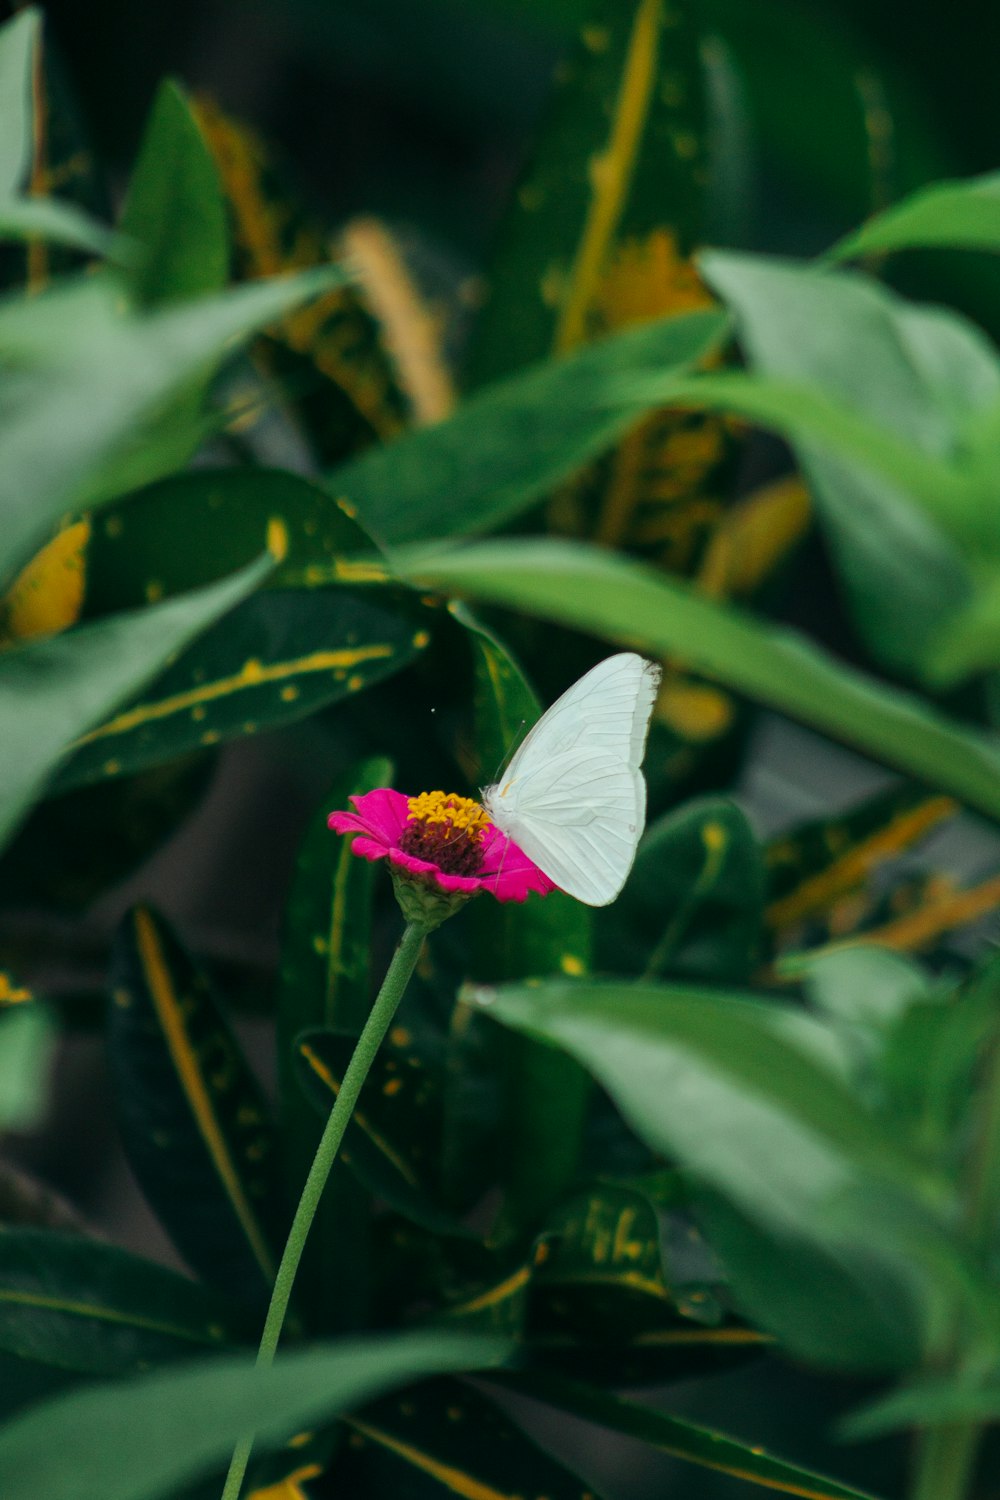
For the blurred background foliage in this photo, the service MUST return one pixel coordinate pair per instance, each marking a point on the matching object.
(498, 197)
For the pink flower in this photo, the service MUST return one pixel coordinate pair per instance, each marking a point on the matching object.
(441, 841)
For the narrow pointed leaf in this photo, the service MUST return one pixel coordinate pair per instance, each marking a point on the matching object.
(698, 1445)
(174, 210)
(27, 1037)
(961, 215)
(73, 432)
(54, 690)
(60, 224)
(19, 39)
(444, 1438)
(193, 1118)
(600, 594)
(511, 443)
(259, 668)
(82, 1305)
(145, 1440)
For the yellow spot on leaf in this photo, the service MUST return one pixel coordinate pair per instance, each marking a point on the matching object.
(13, 994)
(112, 767)
(113, 526)
(47, 596)
(570, 964)
(277, 539)
(153, 591)
(421, 639)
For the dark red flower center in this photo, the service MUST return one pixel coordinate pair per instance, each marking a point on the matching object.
(446, 831)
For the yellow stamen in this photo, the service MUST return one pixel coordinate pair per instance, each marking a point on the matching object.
(453, 813)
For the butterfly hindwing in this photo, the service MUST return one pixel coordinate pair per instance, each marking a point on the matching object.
(573, 796)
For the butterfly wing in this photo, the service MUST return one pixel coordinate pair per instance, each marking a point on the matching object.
(573, 796)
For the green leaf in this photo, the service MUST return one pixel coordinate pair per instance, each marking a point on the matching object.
(693, 905)
(193, 1119)
(836, 1311)
(863, 987)
(145, 1440)
(619, 166)
(61, 224)
(20, 37)
(27, 1036)
(962, 215)
(443, 1437)
(324, 979)
(547, 1094)
(932, 1403)
(83, 1305)
(54, 690)
(745, 1094)
(72, 429)
(605, 595)
(508, 445)
(698, 1445)
(257, 669)
(916, 374)
(186, 530)
(392, 1140)
(174, 208)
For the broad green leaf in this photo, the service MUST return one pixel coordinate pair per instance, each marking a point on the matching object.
(838, 1311)
(867, 988)
(917, 374)
(193, 1119)
(258, 668)
(20, 37)
(72, 427)
(698, 1445)
(445, 1438)
(144, 1441)
(60, 224)
(738, 1090)
(611, 197)
(546, 1094)
(186, 530)
(605, 595)
(324, 979)
(174, 210)
(963, 215)
(54, 690)
(393, 1140)
(693, 904)
(82, 1305)
(27, 1036)
(511, 443)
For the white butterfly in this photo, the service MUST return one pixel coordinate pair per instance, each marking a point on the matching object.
(573, 796)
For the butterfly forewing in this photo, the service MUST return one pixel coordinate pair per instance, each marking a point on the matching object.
(573, 796)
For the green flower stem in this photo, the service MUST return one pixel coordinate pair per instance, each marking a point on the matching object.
(403, 963)
(945, 1457)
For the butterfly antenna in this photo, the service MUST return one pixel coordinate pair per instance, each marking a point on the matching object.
(506, 757)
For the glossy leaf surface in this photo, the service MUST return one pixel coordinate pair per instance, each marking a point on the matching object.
(193, 1118)
(54, 690)
(83, 1305)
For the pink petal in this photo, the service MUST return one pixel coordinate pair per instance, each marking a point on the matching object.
(508, 873)
(417, 866)
(381, 813)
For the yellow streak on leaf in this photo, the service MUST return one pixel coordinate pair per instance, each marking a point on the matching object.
(611, 175)
(251, 675)
(169, 1010)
